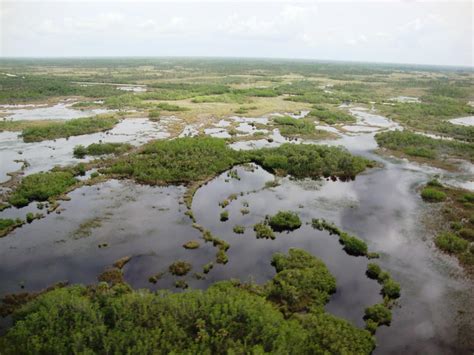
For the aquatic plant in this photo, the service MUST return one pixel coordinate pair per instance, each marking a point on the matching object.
(284, 221)
(208, 267)
(331, 116)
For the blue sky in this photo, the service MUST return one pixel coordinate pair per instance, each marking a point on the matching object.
(423, 32)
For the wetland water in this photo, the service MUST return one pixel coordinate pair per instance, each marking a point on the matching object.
(382, 206)
(60, 111)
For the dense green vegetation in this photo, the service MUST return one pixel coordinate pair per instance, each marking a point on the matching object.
(41, 187)
(101, 149)
(180, 268)
(228, 317)
(187, 160)
(284, 221)
(417, 145)
(74, 127)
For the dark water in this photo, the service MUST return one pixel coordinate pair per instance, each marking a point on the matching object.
(381, 206)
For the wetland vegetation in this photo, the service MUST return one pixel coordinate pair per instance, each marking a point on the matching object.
(275, 114)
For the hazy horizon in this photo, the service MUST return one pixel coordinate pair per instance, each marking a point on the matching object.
(387, 32)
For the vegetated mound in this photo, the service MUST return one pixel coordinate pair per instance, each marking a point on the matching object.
(227, 317)
(186, 160)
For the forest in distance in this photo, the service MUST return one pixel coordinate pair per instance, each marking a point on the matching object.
(231, 206)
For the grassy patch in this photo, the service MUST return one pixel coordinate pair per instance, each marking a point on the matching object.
(74, 127)
(263, 231)
(41, 187)
(432, 194)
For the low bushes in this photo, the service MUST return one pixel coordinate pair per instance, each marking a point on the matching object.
(431, 194)
(180, 268)
(263, 231)
(451, 243)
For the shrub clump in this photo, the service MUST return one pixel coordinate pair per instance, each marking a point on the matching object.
(379, 314)
(8, 224)
(179, 268)
(224, 216)
(451, 243)
(238, 229)
(284, 221)
(41, 187)
(263, 231)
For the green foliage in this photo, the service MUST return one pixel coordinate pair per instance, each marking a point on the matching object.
(100, 149)
(421, 146)
(169, 107)
(263, 231)
(373, 271)
(284, 221)
(41, 187)
(379, 314)
(74, 127)
(451, 243)
(391, 289)
(353, 245)
(431, 194)
(302, 281)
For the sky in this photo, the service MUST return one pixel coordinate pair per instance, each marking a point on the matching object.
(421, 32)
